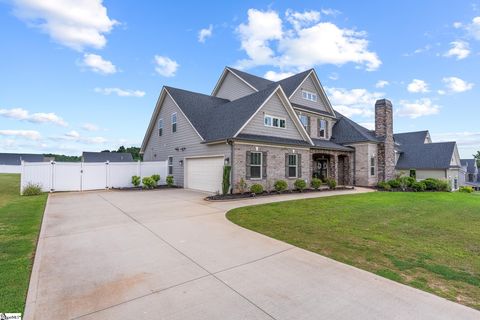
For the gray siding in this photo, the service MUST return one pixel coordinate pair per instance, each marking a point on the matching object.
(233, 88)
(160, 148)
(308, 85)
(273, 107)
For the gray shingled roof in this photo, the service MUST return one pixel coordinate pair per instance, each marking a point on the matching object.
(270, 139)
(15, 159)
(255, 81)
(426, 156)
(347, 131)
(327, 144)
(106, 156)
(417, 137)
(215, 118)
(315, 110)
(470, 164)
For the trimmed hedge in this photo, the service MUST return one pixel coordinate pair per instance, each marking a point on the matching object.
(256, 188)
(280, 185)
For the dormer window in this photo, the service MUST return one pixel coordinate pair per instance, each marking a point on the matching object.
(272, 121)
(307, 95)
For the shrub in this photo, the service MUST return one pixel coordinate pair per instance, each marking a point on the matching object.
(148, 183)
(316, 183)
(431, 184)
(394, 183)
(280, 185)
(241, 185)
(169, 181)
(156, 178)
(32, 189)
(419, 186)
(331, 183)
(226, 179)
(136, 181)
(466, 189)
(444, 185)
(300, 184)
(406, 182)
(256, 188)
(384, 186)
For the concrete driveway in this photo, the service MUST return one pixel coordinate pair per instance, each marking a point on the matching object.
(168, 254)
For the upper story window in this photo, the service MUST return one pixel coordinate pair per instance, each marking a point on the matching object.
(322, 128)
(174, 122)
(305, 121)
(276, 122)
(372, 165)
(160, 127)
(307, 95)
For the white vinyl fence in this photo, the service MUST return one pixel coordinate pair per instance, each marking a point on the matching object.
(81, 176)
(10, 169)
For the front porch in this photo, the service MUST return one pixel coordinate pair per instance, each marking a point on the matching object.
(331, 164)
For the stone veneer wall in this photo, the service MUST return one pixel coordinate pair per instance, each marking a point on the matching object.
(363, 152)
(384, 130)
(275, 164)
(348, 164)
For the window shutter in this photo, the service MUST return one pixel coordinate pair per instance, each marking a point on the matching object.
(309, 125)
(299, 165)
(286, 165)
(326, 129)
(264, 165)
(247, 165)
(318, 127)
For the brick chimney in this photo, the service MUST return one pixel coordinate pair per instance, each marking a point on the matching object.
(384, 132)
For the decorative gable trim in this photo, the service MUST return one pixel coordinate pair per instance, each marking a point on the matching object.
(288, 107)
(222, 78)
(319, 87)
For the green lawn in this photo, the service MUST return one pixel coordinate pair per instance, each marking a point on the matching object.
(430, 241)
(20, 219)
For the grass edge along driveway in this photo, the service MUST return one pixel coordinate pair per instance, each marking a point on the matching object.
(20, 221)
(430, 241)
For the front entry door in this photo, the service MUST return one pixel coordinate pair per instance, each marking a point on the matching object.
(320, 169)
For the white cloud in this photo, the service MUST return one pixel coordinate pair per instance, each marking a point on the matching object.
(460, 49)
(97, 64)
(381, 84)
(276, 76)
(302, 42)
(474, 28)
(354, 102)
(457, 25)
(456, 85)
(417, 86)
(40, 117)
(165, 66)
(73, 134)
(72, 23)
(90, 127)
(205, 33)
(120, 92)
(464, 139)
(368, 125)
(330, 12)
(417, 108)
(28, 134)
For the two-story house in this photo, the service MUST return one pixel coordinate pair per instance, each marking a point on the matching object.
(266, 131)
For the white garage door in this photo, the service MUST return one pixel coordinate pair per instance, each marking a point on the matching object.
(204, 173)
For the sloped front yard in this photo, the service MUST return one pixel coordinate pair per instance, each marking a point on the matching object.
(20, 219)
(430, 241)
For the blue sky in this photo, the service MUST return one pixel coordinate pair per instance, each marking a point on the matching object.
(86, 75)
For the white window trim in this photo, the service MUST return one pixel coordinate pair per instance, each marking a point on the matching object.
(293, 166)
(256, 165)
(313, 96)
(174, 114)
(274, 117)
(169, 165)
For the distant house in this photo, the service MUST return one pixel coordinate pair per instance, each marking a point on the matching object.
(421, 158)
(15, 159)
(106, 156)
(472, 174)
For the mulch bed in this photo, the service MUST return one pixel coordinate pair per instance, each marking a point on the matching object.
(239, 196)
(163, 186)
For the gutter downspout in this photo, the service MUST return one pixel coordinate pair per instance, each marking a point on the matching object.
(354, 166)
(232, 185)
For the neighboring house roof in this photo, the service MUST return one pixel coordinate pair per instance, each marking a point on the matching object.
(417, 137)
(106, 156)
(346, 131)
(426, 156)
(15, 159)
(327, 144)
(470, 164)
(270, 139)
(255, 81)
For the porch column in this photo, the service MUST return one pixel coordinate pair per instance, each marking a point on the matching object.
(333, 167)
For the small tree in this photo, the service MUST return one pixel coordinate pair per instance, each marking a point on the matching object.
(477, 157)
(226, 179)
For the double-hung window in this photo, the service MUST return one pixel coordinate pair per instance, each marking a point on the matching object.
(276, 122)
(307, 95)
(170, 165)
(372, 165)
(256, 165)
(292, 164)
(160, 127)
(174, 122)
(305, 121)
(322, 128)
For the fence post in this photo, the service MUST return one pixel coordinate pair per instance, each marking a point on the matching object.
(22, 176)
(52, 171)
(139, 169)
(107, 174)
